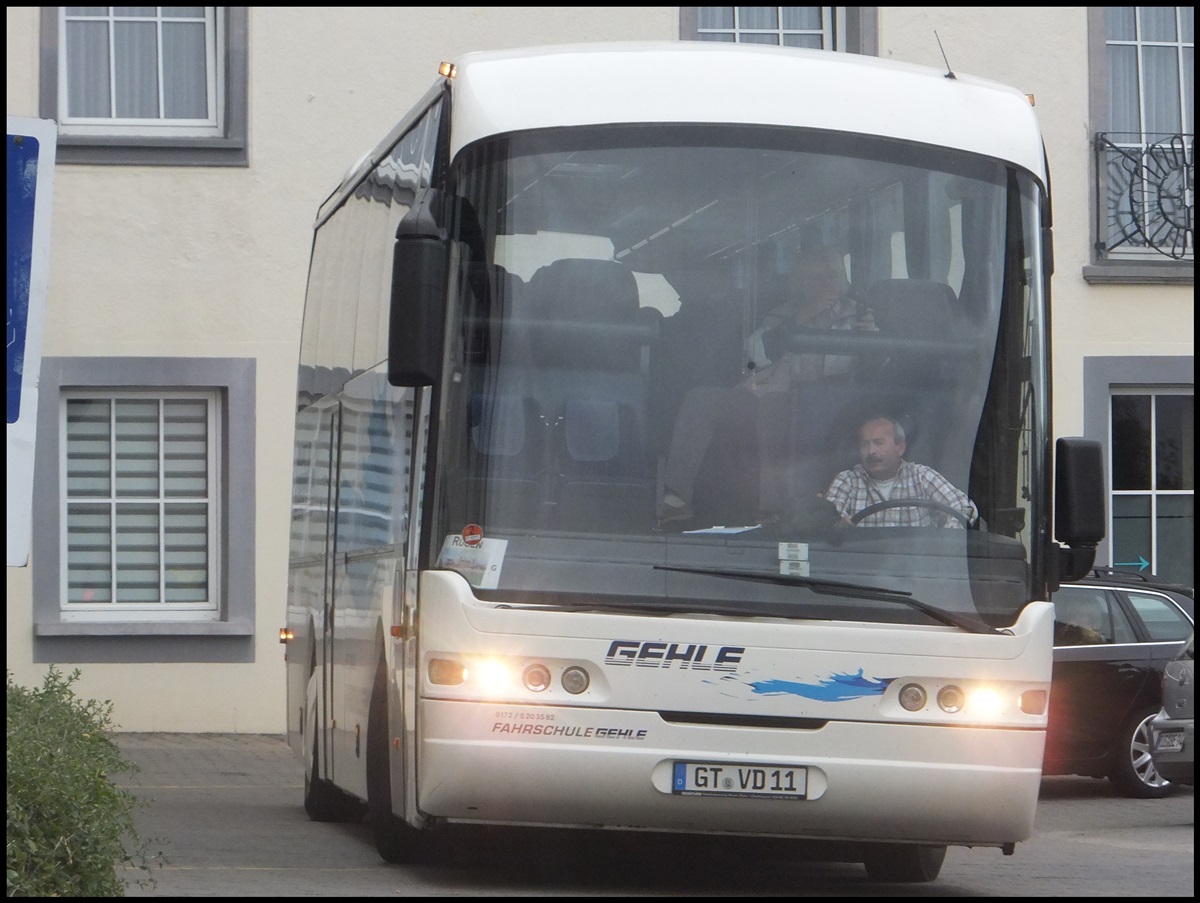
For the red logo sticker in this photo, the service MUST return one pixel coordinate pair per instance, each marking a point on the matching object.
(472, 534)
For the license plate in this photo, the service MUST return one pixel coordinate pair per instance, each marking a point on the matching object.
(781, 782)
(1169, 741)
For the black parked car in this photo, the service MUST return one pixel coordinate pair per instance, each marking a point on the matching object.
(1115, 631)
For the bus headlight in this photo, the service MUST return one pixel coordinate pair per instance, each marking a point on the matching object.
(491, 676)
(985, 702)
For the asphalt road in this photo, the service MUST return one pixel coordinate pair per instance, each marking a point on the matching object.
(226, 811)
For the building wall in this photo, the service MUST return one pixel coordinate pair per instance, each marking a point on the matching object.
(211, 262)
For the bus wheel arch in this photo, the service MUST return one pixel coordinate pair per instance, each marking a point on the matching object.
(396, 840)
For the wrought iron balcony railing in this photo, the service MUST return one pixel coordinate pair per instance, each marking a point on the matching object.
(1145, 195)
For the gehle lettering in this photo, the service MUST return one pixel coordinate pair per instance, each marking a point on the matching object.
(685, 656)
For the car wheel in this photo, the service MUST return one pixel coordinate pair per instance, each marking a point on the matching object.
(903, 863)
(1132, 768)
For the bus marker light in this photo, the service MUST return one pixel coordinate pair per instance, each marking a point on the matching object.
(536, 678)
(446, 673)
(1033, 702)
(913, 697)
(950, 699)
(449, 70)
(575, 680)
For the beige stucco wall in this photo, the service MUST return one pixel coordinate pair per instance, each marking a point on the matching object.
(211, 262)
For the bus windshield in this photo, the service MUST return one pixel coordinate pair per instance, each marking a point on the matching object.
(687, 361)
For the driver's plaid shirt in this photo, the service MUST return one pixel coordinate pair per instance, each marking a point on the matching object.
(853, 490)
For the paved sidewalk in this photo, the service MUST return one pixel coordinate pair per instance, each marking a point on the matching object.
(227, 811)
(251, 760)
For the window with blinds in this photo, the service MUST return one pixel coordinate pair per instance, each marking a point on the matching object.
(140, 514)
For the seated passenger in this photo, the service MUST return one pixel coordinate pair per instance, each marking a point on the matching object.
(730, 427)
(821, 300)
(1076, 623)
(883, 475)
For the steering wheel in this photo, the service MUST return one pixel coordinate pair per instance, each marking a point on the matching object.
(911, 503)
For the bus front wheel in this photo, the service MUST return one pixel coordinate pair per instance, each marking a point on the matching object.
(907, 863)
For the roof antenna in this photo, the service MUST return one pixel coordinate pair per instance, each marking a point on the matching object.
(949, 71)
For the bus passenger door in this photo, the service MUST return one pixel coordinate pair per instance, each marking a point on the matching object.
(371, 541)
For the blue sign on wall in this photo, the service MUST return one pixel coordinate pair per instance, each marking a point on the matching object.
(29, 190)
(21, 194)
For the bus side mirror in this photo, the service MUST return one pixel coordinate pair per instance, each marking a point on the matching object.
(416, 320)
(1079, 519)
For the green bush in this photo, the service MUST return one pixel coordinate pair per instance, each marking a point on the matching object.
(69, 827)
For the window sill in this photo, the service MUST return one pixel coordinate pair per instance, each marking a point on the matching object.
(1148, 272)
(123, 151)
(143, 628)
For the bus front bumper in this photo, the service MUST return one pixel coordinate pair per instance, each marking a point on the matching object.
(585, 767)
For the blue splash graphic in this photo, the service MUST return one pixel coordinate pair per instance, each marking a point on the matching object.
(836, 688)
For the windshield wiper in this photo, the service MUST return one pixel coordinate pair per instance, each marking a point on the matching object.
(533, 600)
(855, 590)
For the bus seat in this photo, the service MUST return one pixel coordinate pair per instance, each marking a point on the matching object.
(920, 385)
(504, 427)
(914, 308)
(586, 315)
(507, 445)
(604, 468)
(698, 346)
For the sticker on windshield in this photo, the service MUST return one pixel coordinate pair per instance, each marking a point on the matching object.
(793, 559)
(476, 558)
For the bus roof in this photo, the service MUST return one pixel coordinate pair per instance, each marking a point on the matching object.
(496, 92)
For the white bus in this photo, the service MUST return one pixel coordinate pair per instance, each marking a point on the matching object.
(505, 603)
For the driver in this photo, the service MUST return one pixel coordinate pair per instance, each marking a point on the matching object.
(883, 475)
